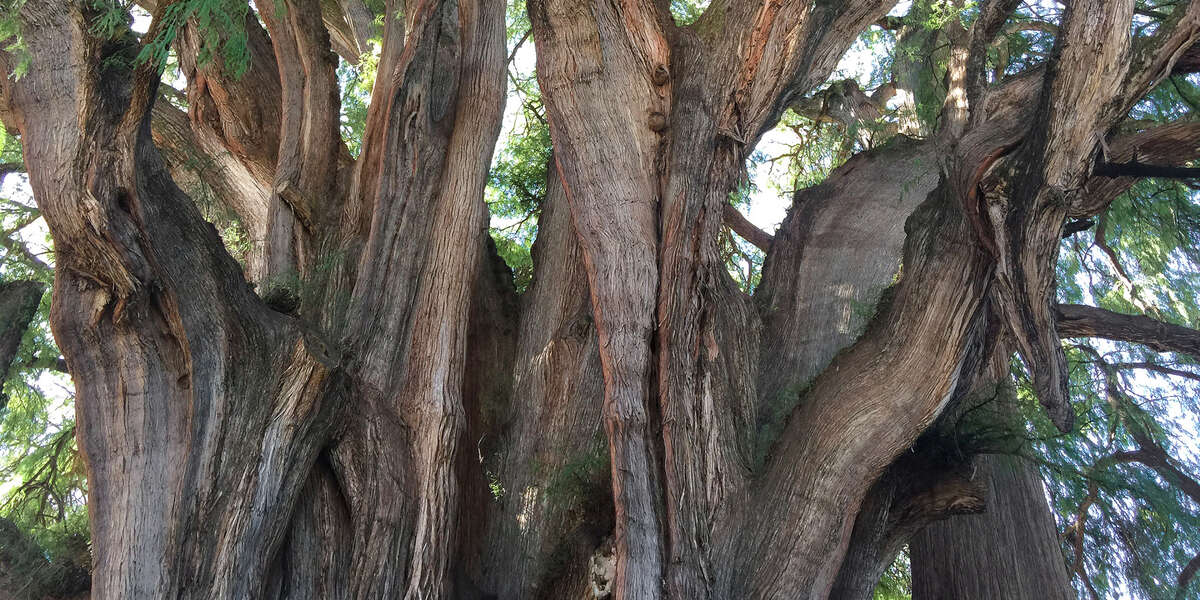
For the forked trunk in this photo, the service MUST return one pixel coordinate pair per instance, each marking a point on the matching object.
(386, 418)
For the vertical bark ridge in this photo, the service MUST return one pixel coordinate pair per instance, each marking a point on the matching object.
(413, 297)
(588, 62)
(694, 113)
(163, 344)
(1010, 550)
(388, 76)
(707, 333)
(722, 99)
(304, 186)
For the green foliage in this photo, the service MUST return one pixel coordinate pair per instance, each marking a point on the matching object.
(10, 36)
(896, 582)
(518, 178)
(516, 21)
(43, 517)
(356, 83)
(687, 11)
(818, 150)
(221, 24)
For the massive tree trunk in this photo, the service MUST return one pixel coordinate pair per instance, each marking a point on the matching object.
(1011, 550)
(388, 419)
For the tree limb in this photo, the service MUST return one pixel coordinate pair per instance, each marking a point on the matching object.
(18, 304)
(1075, 320)
(1138, 169)
(1169, 145)
(992, 16)
(1165, 370)
(742, 226)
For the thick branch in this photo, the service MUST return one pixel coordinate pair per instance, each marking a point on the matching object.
(163, 336)
(1080, 100)
(197, 154)
(742, 226)
(1168, 145)
(1074, 320)
(1138, 169)
(992, 16)
(1156, 56)
(1153, 455)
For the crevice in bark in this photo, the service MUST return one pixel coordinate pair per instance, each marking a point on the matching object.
(550, 462)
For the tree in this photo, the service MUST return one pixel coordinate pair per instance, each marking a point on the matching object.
(381, 414)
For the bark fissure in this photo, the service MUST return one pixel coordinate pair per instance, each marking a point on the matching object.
(634, 424)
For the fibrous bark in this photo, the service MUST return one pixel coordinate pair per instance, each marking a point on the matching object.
(1011, 550)
(396, 423)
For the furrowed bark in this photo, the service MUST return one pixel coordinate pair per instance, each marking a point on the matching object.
(1010, 550)
(1008, 105)
(935, 479)
(204, 161)
(698, 101)
(551, 465)
(1091, 65)
(162, 344)
(820, 470)
(847, 235)
(1092, 56)
(314, 560)
(413, 295)
(632, 323)
(607, 65)
(304, 187)
(365, 183)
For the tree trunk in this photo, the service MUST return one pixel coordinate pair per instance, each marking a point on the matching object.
(390, 420)
(1010, 550)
